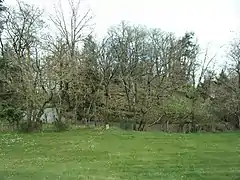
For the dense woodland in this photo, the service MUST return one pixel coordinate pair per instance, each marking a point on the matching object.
(135, 76)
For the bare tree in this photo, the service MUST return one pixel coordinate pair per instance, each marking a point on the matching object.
(23, 28)
(128, 45)
(234, 84)
(108, 66)
(71, 36)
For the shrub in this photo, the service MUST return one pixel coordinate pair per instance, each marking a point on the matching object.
(177, 108)
(30, 126)
(126, 125)
(60, 126)
(11, 114)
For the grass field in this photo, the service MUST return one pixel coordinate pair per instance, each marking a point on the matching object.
(87, 154)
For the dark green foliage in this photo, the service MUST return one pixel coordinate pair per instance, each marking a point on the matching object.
(127, 125)
(60, 126)
(30, 126)
(11, 114)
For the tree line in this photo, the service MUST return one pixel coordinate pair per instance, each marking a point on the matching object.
(137, 76)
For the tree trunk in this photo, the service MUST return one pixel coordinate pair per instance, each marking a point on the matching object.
(238, 122)
(167, 123)
(30, 112)
(181, 127)
(193, 119)
(106, 95)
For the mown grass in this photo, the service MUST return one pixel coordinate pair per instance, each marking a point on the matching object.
(88, 154)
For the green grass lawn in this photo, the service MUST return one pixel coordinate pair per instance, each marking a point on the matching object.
(87, 154)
